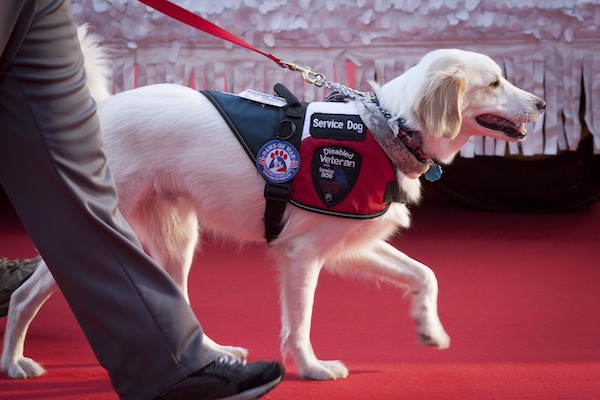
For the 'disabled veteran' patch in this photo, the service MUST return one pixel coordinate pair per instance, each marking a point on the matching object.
(334, 172)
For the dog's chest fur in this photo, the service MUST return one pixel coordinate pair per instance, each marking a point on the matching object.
(342, 169)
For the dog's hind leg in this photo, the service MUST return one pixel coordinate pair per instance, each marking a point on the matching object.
(24, 304)
(385, 263)
(169, 231)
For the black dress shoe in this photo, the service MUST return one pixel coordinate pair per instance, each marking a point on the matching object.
(227, 379)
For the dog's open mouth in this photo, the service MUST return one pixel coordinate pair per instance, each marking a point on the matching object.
(509, 128)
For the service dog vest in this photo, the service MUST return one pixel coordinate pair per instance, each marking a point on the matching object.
(342, 169)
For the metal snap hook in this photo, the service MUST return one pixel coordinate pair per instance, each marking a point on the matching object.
(309, 76)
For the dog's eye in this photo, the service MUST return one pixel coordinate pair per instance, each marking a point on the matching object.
(495, 84)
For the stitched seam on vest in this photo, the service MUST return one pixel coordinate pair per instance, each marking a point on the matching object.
(340, 214)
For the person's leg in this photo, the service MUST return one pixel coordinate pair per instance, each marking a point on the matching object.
(53, 170)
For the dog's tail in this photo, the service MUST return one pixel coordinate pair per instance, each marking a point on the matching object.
(97, 66)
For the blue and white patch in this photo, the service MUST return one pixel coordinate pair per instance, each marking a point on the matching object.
(278, 161)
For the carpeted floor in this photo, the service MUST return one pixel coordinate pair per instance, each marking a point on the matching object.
(519, 294)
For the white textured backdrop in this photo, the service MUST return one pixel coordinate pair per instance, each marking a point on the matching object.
(549, 47)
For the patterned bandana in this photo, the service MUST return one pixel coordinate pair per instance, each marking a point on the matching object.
(404, 159)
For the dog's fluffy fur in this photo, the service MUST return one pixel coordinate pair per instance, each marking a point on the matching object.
(180, 171)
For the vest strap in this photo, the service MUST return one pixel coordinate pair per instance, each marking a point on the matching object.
(277, 195)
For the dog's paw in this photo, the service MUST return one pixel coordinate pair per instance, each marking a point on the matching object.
(434, 335)
(227, 351)
(441, 341)
(23, 368)
(430, 330)
(233, 352)
(323, 371)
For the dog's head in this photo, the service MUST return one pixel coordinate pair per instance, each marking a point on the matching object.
(452, 93)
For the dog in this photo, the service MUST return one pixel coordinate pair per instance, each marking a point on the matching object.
(175, 162)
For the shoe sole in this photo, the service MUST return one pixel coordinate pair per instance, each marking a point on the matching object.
(256, 392)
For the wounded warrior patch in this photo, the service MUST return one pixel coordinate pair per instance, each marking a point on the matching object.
(334, 173)
(278, 161)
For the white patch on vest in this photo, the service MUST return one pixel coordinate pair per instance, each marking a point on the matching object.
(330, 108)
(263, 98)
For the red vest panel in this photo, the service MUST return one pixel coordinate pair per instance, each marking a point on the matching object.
(343, 170)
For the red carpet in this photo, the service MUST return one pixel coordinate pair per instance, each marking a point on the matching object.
(519, 294)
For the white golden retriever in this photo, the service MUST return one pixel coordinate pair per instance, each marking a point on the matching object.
(176, 164)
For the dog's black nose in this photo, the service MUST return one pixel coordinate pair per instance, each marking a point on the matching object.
(541, 105)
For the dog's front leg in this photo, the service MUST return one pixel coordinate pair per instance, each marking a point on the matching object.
(384, 262)
(298, 285)
(24, 304)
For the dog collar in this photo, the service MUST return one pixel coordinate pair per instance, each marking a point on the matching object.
(407, 153)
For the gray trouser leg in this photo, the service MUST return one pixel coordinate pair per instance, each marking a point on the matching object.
(54, 171)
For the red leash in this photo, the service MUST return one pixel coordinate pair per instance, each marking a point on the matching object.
(191, 19)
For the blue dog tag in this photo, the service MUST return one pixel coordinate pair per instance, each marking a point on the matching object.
(433, 173)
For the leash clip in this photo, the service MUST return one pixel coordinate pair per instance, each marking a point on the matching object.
(309, 76)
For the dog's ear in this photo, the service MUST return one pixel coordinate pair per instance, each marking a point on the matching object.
(439, 103)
